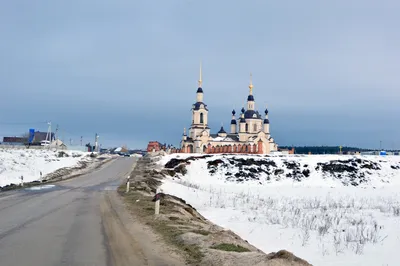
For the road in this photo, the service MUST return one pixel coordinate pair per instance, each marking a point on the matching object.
(69, 223)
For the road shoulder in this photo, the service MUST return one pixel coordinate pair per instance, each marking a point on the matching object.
(129, 241)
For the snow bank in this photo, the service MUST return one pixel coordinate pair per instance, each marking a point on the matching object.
(327, 209)
(15, 163)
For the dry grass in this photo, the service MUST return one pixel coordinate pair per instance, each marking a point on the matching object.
(142, 207)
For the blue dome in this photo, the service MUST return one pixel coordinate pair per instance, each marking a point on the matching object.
(250, 98)
(266, 111)
(233, 112)
(233, 122)
(266, 121)
(199, 90)
(197, 106)
(221, 130)
(251, 113)
(243, 110)
(242, 120)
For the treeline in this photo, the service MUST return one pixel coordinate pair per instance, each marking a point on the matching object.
(323, 149)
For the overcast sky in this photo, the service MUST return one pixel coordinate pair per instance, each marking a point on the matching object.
(128, 70)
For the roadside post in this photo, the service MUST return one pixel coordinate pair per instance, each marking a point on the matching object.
(41, 179)
(157, 204)
(127, 184)
(22, 180)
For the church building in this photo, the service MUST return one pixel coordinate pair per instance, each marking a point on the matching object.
(249, 133)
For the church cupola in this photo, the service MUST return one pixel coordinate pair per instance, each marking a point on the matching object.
(222, 132)
(242, 122)
(250, 98)
(233, 123)
(266, 122)
(200, 89)
(242, 119)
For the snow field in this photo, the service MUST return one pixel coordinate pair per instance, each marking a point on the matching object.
(15, 163)
(319, 219)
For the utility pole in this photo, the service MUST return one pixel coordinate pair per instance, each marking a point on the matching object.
(380, 145)
(96, 142)
(56, 134)
(81, 140)
(48, 135)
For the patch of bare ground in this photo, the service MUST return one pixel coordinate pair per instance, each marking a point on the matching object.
(187, 231)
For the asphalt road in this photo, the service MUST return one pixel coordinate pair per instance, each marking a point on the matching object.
(60, 224)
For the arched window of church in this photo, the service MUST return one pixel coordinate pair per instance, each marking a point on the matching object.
(255, 127)
(201, 118)
(247, 127)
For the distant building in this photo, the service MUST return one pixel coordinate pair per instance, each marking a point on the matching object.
(252, 135)
(15, 140)
(154, 146)
(287, 151)
(41, 136)
(58, 144)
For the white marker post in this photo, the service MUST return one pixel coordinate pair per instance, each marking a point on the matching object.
(157, 206)
(127, 185)
(22, 181)
(41, 178)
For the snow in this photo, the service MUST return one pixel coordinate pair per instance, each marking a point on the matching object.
(222, 139)
(40, 187)
(321, 218)
(28, 163)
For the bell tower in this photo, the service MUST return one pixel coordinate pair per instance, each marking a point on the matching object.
(199, 112)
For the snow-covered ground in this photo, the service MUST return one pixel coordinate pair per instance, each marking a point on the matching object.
(328, 209)
(28, 163)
